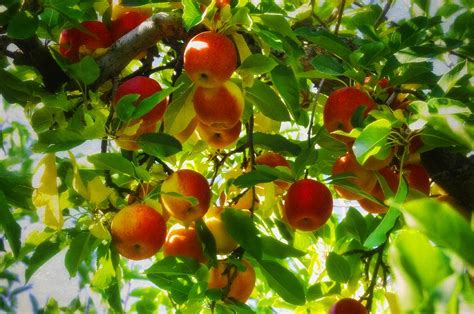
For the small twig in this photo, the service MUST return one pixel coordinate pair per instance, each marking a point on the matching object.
(339, 16)
(369, 293)
(166, 168)
(224, 157)
(384, 13)
(249, 127)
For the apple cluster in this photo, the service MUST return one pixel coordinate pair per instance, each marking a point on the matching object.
(218, 102)
(93, 37)
(340, 108)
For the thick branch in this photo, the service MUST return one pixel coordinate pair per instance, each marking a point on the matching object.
(157, 27)
(453, 172)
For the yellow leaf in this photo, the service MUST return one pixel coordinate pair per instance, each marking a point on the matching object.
(77, 183)
(45, 196)
(97, 191)
(186, 114)
(99, 231)
(130, 129)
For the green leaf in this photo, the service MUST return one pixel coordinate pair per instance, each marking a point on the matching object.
(283, 282)
(273, 247)
(80, 249)
(355, 224)
(372, 140)
(450, 78)
(253, 178)
(126, 106)
(147, 104)
(414, 73)
(192, 16)
(22, 25)
(44, 252)
(85, 71)
(449, 229)
(327, 64)
(338, 268)
(274, 142)
(180, 111)
(112, 161)
(323, 289)
(16, 188)
(159, 144)
(279, 24)
(419, 267)
(242, 228)
(207, 240)
(267, 101)
(58, 140)
(174, 265)
(11, 228)
(257, 64)
(308, 157)
(285, 82)
(325, 40)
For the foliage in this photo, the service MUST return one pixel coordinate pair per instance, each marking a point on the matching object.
(64, 168)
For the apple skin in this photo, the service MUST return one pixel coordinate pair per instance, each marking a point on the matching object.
(241, 287)
(245, 202)
(341, 106)
(145, 87)
(273, 160)
(187, 183)
(417, 178)
(308, 205)
(138, 231)
(220, 107)
(182, 241)
(225, 244)
(217, 138)
(365, 179)
(392, 179)
(210, 58)
(71, 40)
(185, 134)
(348, 306)
(222, 3)
(143, 190)
(124, 19)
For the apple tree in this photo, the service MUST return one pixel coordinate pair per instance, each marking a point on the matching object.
(239, 156)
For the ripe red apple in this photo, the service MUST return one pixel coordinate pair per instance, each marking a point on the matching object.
(145, 87)
(182, 241)
(74, 42)
(210, 58)
(240, 288)
(417, 178)
(340, 108)
(124, 19)
(186, 183)
(308, 204)
(364, 179)
(221, 3)
(348, 306)
(220, 107)
(217, 138)
(273, 160)
(392, 180)
(138, 231)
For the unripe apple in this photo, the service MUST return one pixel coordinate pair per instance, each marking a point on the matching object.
(145, 87)
(187, 183)
(245, 201)
(138, 231)
(364, 179)
(217, 138)
(340, 107)
(241, 287)
(210, 58)
(124, 19)
(348, 306)
(220, 107)
(225, 244)
(392, 179)
(72, 41)
(182, 241)
(273, 160)
(308, 205)
(417, 178)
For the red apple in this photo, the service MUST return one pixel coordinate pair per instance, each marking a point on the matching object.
(220, 107)
(273, 160)
(138, 231)
(392, 179)
(417, 178)
(187, 183)
(308, 205)
(364, 179)
(210, 58)
(126, 19)
(182, 241)
(217, 138)
(74, 42)
(348, 306)
(340, 107)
